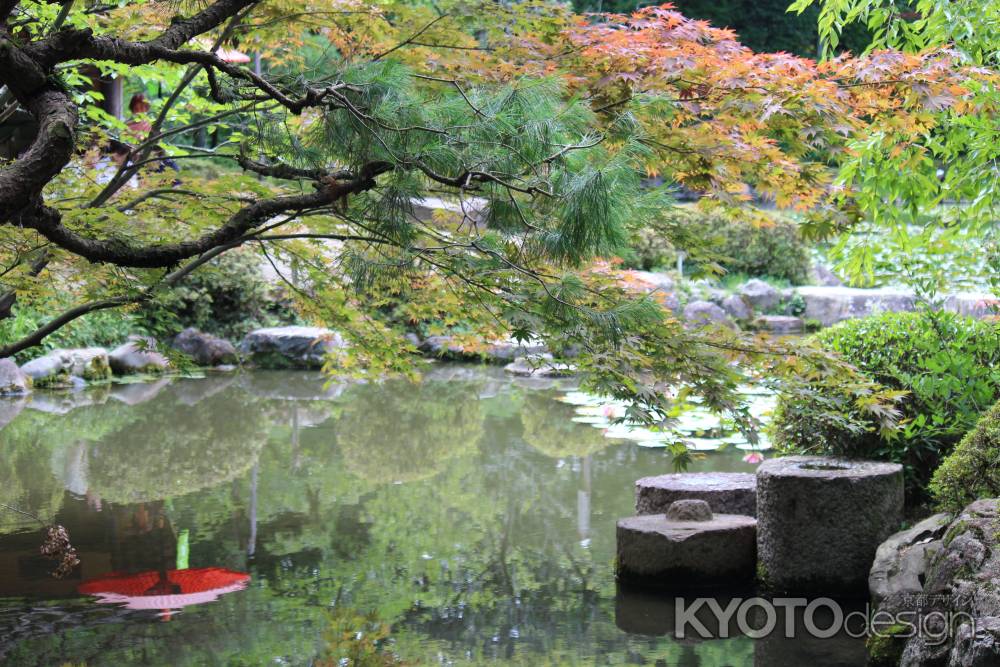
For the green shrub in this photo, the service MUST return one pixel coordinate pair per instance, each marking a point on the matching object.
(946, 364)
(228, 298)
(102, 328)
(972, 471)
(773, 250)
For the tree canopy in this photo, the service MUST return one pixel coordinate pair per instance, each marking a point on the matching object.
(537, 123)
(937, 185)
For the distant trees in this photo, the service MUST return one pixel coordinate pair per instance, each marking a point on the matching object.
(762, 25)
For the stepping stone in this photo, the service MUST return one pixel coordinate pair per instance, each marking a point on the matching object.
(821, 521)
(687, 548)
(725, 492)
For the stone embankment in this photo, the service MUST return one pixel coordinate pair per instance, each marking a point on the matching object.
(760, 306)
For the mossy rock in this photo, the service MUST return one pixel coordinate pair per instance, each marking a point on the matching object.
(886, 648)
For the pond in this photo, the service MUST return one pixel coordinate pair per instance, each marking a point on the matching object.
(463, 520)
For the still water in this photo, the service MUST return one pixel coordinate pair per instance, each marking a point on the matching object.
(463, 520)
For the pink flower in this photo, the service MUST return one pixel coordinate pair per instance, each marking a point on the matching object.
(753, 457)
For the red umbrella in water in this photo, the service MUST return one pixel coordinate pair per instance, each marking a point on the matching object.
(165, 589)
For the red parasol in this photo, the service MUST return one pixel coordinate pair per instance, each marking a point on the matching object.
(232, 55)
(226, 55)
(170, 589)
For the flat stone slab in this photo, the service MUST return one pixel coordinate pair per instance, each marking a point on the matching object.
(656, 551)
(821, 521)
(725, 492)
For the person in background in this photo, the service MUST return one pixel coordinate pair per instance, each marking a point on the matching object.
(139, 128)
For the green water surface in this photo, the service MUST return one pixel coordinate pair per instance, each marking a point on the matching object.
(462, 520)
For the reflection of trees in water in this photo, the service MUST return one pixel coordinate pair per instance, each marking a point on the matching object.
(401, 432)
(34, 634)
(488, 547)
(170, 449)
(548, 427)
(121, 453)
(37, 450)
(26, 483)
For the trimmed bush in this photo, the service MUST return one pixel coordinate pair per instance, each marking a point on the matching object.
(948, 366)
(772, 249)
(972, 471)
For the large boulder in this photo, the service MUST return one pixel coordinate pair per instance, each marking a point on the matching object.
(137, 355)
(13, 381)
(495, 352)
(781, 325)
(902, 561)
(443, 347)
(725, 492)
(291, 347)
(821, 521)
(67, 368)
(829, 305)
(688, 547)
(977, 645)
(760, 295)
(973, 304)
(823, 275)
(507, 350)
(451, 212)
(737, 307)
(702, 313)
(205, 349)
(539, 365)
(962, 584)
(660, 281)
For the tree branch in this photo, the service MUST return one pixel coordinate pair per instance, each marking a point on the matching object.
(48, 222)
(284, 171)
(409, 40)
(56, 323)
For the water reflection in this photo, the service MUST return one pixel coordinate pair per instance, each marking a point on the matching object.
(463, 520)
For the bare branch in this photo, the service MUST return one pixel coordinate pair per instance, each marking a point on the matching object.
(284, 171)
(409, 40)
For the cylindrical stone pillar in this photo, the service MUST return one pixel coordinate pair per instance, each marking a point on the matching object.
(820, 521)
